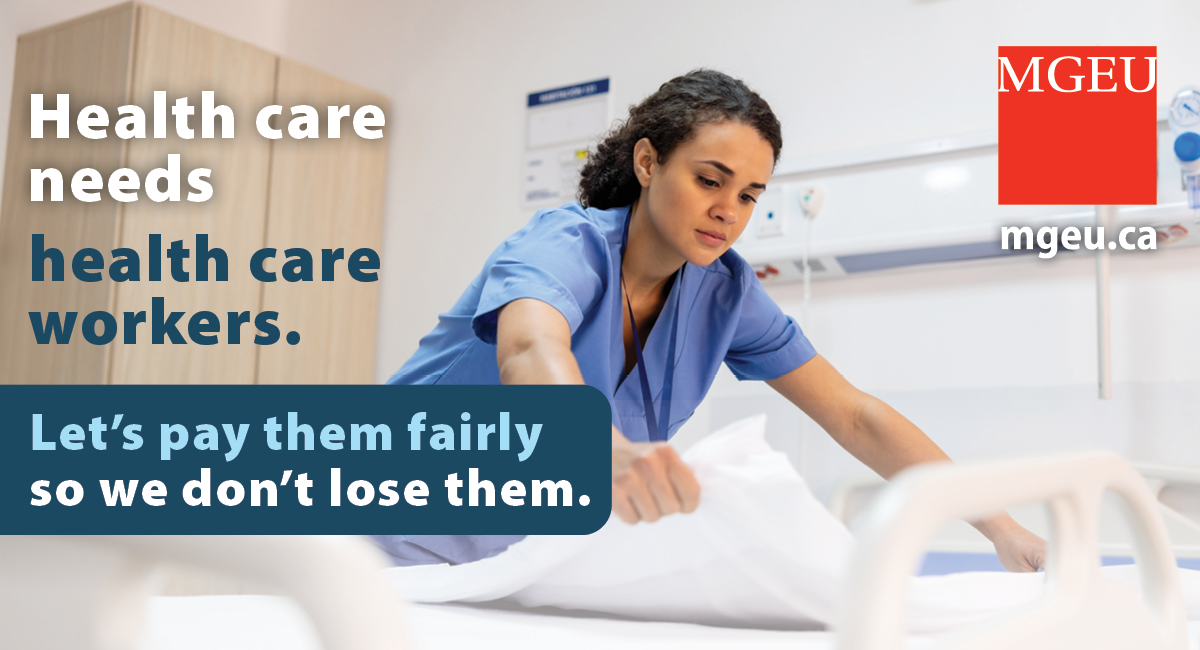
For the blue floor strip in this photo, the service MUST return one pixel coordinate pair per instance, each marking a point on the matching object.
(941, 563)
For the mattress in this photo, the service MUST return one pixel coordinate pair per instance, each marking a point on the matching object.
(277, 623)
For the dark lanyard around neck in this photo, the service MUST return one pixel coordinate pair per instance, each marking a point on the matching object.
(656, 434)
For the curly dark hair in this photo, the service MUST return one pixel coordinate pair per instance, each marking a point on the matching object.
(668, 118)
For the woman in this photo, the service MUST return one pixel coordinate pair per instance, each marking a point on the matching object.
(645, 256)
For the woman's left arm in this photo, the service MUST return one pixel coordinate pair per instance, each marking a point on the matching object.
(887, 442)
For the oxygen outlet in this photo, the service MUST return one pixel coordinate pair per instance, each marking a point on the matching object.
(1187, 150)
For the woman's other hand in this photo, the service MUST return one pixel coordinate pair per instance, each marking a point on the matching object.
(650, 481)
(1020, 551)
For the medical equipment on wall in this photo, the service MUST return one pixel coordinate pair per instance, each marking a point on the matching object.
(811, 200)
(928, 202)
(1184, 119)
(942, 207)
(774, 209)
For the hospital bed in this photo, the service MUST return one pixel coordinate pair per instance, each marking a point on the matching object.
(90, 592)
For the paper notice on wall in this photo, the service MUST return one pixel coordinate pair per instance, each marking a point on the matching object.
(552, 174)
(561, 124)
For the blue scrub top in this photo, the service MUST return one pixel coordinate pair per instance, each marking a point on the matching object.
(570, 258)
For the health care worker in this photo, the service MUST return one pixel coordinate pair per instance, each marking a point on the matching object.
(634, 290)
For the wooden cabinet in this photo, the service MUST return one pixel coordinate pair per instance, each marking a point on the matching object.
(314, 194)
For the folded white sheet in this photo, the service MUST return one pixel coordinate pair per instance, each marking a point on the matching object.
(760, 551)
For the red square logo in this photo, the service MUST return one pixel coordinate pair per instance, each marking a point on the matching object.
(1078, 125)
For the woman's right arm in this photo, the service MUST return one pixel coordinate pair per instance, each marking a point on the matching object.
(533, 346)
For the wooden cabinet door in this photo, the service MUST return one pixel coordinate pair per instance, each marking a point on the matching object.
(183, 59)
(88, 59)
(325, 193)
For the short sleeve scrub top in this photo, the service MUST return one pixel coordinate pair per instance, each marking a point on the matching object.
(570, 258)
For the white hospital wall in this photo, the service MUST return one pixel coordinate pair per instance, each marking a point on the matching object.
(993, 359)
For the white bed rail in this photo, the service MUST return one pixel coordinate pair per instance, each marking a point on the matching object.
(1177, 488)
(88, 592)
(1078, 609)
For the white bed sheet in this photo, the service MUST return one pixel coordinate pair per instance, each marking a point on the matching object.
(277, 623)
(761, 551)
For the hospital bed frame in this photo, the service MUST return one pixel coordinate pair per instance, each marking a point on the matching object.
(95, 587)
(854, 494)
(89, 592)
(1078, 609)
(1162, 479)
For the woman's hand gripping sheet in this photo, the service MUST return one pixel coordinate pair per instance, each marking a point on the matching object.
(650, 481)
(1019, 550)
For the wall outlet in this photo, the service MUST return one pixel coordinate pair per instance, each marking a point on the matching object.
(769, 215)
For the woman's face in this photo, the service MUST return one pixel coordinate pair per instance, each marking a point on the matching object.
(701, 199)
